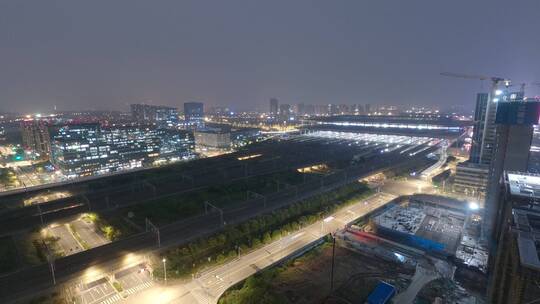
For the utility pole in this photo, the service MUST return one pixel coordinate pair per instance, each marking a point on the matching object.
(250, 193)
(333, 258)
(40, 214)
(50, 259)
(206, 204)
(154, 229)
(87, 202)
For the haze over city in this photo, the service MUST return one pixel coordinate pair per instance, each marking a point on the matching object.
(269, 152)
(105, 55)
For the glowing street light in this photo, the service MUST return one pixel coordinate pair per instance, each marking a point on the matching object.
(165, 269)
(474, 206)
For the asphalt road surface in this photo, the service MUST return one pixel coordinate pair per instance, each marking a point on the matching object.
(66, 240)
(88, 233)
(208, 286)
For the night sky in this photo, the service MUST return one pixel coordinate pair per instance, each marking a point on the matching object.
(108, 54)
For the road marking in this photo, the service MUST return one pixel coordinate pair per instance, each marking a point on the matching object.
(137, 288)
(69, 229)
(201, 297)
(117, 297)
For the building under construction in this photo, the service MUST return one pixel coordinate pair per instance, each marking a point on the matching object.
(432, 224)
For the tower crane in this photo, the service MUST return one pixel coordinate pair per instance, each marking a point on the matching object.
(522, 86)
(491, 105)
(494, 80)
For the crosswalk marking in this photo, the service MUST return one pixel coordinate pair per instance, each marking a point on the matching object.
(117, 297)
(137, 288)
(199, 296)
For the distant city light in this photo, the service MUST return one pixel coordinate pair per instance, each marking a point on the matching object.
(498, 92)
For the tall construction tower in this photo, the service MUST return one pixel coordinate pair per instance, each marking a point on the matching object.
(485, 112)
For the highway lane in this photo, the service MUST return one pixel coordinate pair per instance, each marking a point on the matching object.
(217, 281)
(208, 286)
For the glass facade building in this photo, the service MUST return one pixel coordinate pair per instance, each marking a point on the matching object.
(89, 149)
(162, 116)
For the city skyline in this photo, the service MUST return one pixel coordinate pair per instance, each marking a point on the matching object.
(277, 152)
(241, 54)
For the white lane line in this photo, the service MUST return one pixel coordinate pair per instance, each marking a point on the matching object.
(112, 299)
(138, 288)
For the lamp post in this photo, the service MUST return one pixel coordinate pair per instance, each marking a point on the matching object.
(333, 258)
(165, 269)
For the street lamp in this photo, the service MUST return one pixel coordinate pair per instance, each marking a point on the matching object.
(473, 206)
(165, 269)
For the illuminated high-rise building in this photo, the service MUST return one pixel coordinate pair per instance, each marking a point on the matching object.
(162, 116)
(514, 121)
(194, 114)
(285, 112)
(274, 106)
(478, 130)
(35, 137)
(89, 149)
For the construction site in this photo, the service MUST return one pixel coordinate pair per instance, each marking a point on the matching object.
(435, 238)
(413, 249)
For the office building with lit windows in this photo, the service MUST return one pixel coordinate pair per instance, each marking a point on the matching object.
(89, 149)
(36, 138)
(161, 116)
(194, 114)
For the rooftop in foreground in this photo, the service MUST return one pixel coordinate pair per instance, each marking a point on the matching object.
(524, 184)
(524, 190)
(527, 229)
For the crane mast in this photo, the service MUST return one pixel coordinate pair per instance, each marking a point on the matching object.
(491, 106)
